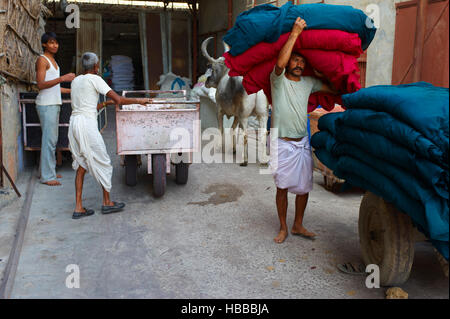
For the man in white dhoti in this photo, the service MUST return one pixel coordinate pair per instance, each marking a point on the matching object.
(292, 163)
(85, 142)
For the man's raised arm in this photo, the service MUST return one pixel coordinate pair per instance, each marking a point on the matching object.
(285, 54)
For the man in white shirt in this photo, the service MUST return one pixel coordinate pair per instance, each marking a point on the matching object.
(85, 142)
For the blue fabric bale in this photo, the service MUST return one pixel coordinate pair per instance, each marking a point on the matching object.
(378, 146)
(360, 174)
(422, 106)
(266, 23)
(404, 173)
(362, 127)
(384, 124)
(390, 144)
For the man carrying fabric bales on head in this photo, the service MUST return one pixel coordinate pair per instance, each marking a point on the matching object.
(292, 166)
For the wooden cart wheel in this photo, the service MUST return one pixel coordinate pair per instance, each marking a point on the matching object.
(182, 173)
(159, 174)
(131, 169)
(387, 239)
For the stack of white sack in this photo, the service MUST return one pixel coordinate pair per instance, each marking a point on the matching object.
(200, 89)
(173, 82)
(122, 73)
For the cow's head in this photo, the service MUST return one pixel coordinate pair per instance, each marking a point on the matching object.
(216, 67)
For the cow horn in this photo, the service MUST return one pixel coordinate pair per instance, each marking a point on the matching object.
(205, 50)
(226, 46)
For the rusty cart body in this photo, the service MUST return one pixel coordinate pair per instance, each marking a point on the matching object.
(167, 131)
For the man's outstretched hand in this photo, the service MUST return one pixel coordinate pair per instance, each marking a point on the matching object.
(299, 26)
(69, 77)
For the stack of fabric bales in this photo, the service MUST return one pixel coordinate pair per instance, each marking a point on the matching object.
(336, 36)
(122, 73)
(394, 142)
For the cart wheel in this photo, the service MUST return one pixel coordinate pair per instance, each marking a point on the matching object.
(131, 168)
(182, 173)
(387, 239)
(159, 174)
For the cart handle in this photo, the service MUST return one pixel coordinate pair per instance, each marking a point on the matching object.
(124, 93)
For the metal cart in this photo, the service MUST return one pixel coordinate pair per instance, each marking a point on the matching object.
(153, 130)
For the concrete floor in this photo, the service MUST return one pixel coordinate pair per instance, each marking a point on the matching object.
(212, 238)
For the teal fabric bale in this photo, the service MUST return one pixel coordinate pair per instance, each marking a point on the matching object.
(386, 125)
(359, 174)
(435, 208)
(422, 106)
(393, 141)
(266, 23)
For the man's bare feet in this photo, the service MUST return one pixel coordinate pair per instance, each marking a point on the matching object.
(52, 183)
(302, 231)
(282, 235)
(59, 176)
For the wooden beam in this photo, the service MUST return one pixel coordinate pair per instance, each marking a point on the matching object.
(421, 27)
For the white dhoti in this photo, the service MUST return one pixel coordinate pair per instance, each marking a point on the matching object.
(88, 148)
(292, 165)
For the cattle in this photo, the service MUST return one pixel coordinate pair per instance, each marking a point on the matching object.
(233, 101)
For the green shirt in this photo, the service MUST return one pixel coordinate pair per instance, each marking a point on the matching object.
(290, 104)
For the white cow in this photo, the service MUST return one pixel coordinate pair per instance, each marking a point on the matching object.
(233, 100)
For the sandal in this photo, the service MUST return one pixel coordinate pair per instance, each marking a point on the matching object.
(113, 209)
(89, 212)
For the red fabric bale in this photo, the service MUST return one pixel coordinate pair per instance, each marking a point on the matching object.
(334, 53)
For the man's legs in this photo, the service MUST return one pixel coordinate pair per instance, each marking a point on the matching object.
(49, 118)
(300, 205)
(110, 206)
(106, 199)
(282, 205)
(79, 179)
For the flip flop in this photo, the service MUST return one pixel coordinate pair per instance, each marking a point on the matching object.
(352, 268)
(89, 212)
